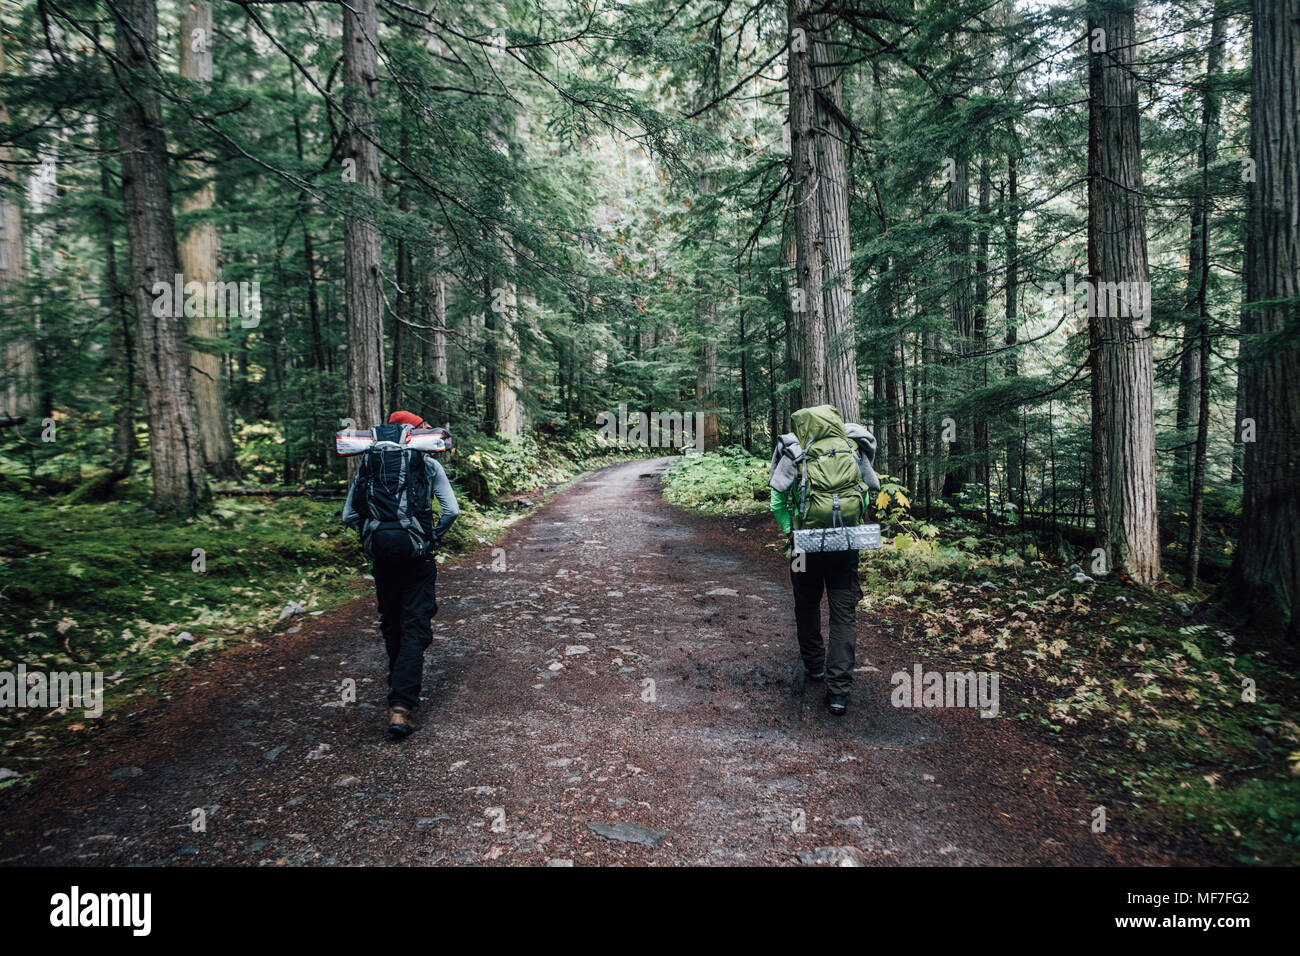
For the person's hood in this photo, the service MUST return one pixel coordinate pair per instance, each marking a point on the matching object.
(785, 463)
(816, 423)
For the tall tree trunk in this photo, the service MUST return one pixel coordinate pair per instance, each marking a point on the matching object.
(706, 313)
(1198, 468)
(175, 443)
(365, 321)
(42, 193)
(1015, 464)
(19, 356)
(914, 431)
(1267, 567)
(121, 347)
(806, 298)
(491, 353)
(706, 385)
(773, 403)
(404, 311)
(397, 371)
(932, 432)
(436, 299)
(1198, 267)
(200, 251)
(895, 412)
(1117, 242)
(746, 432)
(509, 412)
(1198, 282)
(959, 314)
(980, 428)
(830, 133)
(1189, 377)
(1239, 393)
(1097, 119)
(308, 252)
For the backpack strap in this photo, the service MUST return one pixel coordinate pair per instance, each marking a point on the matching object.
(803, 485)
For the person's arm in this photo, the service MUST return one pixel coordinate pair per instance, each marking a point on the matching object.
(780, 501)
(351, 515)
(442, 490)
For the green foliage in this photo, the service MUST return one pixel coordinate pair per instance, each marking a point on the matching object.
(487, 468)
(1150, 708)
(892, 508)
(1258, 817)
(719, 482)
(111, 584)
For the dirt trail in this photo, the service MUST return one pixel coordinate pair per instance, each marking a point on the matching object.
(517, 757)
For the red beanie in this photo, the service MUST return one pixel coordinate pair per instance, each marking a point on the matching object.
(404, 418)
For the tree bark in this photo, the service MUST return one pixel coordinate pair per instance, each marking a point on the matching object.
(404, 312)
(491, 354)
(19, 356)
(1267, 567)
(200, 252)
(958, 470)
(1015, 464)
(806, 298)
(308, 252)
(1118, 254)
(1198, 267)
(833, 204)
(365, 324)
(121, 346)
(1096, 362)
(980, 429)
(175, 443)
(1197, 325)
(895, 411)
(509, 414)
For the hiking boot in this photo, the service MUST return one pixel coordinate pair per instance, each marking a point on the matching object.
(837, 704)
(817, 675)
(399, 722)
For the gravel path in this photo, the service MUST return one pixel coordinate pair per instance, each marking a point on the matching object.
(626, 691)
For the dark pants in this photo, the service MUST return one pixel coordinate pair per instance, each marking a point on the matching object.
(835, 573)
(407, 603)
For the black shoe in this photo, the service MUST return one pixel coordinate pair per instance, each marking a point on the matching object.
(815, 675)
(837, 704)
(400, 724)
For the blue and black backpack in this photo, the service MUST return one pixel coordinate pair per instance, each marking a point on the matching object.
(393, 492)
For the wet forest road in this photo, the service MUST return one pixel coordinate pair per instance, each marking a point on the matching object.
(631, 671)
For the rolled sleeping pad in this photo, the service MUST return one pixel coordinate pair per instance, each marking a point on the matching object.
(428, 439)
(354, 441)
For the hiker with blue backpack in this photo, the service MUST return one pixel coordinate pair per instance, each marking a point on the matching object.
(820, 478)
(390, 504)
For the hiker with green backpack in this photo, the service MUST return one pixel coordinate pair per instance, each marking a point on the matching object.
(390, 504)
(820, 478)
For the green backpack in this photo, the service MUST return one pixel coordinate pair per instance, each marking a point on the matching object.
(831, 492)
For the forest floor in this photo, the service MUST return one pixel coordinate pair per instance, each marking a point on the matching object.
(626, 689)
